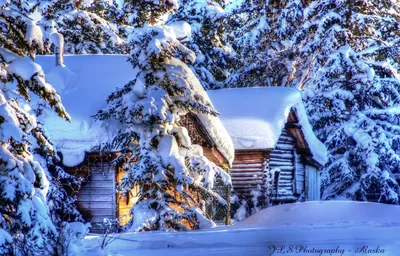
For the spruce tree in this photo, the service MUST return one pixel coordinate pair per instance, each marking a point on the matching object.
(140, 12)
(25, 224)
(262, 33)
(85, 27)
(63, 187)
(107, 10)
(352, 95)
(215, 58)
(172, 174)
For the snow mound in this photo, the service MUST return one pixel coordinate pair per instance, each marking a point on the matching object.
(326, 213)
(255, 117)
(61, 77)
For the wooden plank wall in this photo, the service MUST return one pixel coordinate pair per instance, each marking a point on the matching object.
(97, 199)
(248, 172)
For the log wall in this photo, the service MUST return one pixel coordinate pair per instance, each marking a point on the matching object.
(248, 171)
(281, 164)
(284, 173)
(278, 172)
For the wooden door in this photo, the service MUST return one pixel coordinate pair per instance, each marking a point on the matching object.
(312, 183)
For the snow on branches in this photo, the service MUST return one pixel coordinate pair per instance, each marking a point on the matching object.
(172, 174)
(26, 226)
(207, 39)
(353, 96)
(87, 28)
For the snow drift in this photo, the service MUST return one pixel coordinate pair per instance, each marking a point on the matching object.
(326, 213)
(347, 225)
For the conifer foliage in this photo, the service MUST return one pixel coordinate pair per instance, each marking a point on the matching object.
(25, 224)
(172, 174)
(262, 33)
(87, 27)
(60, 197)
(207, 39)
(143, 12)
(353, 98)
(345, 55)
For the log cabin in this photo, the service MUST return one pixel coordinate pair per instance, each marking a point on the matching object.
(84, 84)
(276, 151)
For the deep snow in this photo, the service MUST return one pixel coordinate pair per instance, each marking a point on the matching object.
(326, 213)
(330, 225)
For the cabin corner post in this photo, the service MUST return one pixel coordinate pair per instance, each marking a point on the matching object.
(115, 193)
(306, 183)
(267, 179)
(228, 219)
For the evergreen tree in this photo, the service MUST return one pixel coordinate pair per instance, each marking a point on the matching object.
(117, 16)
(140, 12)
(262, 33)
(25, 223)
(353, 98)
(172, 174)
(61, 195)
(207, 40)
(345, 54)
(107, 10)
(85, 27)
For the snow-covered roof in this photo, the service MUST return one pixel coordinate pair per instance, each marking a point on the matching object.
(211, 124)
(255, 117)
(84, 85)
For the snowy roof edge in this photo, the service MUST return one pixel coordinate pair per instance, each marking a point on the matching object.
(211, 124)
(261, 115)
(317, 149)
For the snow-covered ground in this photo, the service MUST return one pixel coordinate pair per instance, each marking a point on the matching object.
(311, 228)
